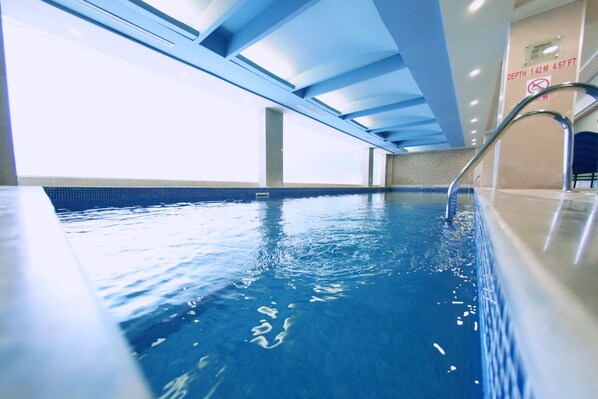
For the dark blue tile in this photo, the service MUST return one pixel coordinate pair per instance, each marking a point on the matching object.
(79, 198)
(500, 349)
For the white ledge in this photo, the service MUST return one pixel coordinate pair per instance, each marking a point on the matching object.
(56, 341)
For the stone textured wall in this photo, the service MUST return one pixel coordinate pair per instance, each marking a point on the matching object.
(436, 168)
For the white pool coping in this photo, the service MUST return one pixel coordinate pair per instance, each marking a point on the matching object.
(546, 258)
(56, 340)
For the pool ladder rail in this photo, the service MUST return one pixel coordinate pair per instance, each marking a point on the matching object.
(513, 117)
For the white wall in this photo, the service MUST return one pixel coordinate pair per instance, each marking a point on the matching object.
(589, 123)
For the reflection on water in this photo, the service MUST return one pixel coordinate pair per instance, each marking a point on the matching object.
(351, 296)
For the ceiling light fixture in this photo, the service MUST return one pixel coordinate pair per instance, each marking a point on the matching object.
(474, 102)
(475, 5)
(474, 73)
(474, 131)
(474, 120)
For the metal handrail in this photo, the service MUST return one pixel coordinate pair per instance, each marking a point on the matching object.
(451, 203)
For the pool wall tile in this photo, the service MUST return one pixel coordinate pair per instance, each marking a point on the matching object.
(504, 374)
(80, 198)
(429, 189)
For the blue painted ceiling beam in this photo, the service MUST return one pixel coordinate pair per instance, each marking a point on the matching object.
(409, 134)
(402, 126)
(217, 42)
(440, 139)
(390, 107)
(229, 13)
(267, 22)
(417, 29)
(378, 68)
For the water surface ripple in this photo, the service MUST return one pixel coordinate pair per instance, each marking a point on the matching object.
(354, 296)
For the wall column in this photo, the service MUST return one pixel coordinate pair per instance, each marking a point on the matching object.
(8, 170)
(368, 178)
(388, 177)
(270, 148)
(530, 154)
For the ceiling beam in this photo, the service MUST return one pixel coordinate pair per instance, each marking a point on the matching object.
(265, 23)
(420, 142)
(402, 126)
(409, 134)
(384, 108)
(378, 68)
(417, 29)
(221, 19)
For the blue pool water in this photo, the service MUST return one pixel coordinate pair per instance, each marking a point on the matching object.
(354, 296)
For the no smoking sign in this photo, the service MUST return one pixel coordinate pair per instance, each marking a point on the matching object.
(536, 85)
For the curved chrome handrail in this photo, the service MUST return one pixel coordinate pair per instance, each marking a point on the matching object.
(511, 118)
(451, 205)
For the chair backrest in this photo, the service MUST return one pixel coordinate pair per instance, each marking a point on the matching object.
(585, 152)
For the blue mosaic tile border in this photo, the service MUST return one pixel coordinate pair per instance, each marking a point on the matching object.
(423, 189)
(503, 370)
(81, 198)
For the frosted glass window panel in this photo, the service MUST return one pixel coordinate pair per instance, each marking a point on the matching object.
(77, 112)
(321, 156)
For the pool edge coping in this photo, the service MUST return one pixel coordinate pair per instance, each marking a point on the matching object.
(58, 339)
(555, 332)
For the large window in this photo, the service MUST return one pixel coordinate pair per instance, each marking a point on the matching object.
(77, 112)
(317, 154)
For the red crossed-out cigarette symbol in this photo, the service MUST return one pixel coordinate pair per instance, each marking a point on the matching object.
(537, 84)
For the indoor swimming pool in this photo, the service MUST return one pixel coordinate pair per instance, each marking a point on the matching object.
(344, 296)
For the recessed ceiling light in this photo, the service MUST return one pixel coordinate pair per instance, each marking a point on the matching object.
(474, 131)
(474, 73)
(475, 5)
(474, 102)
(474, 120)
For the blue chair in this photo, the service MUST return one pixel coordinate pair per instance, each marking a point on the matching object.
(585, 157)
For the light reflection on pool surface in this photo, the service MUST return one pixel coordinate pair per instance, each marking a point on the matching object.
(340, 296)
